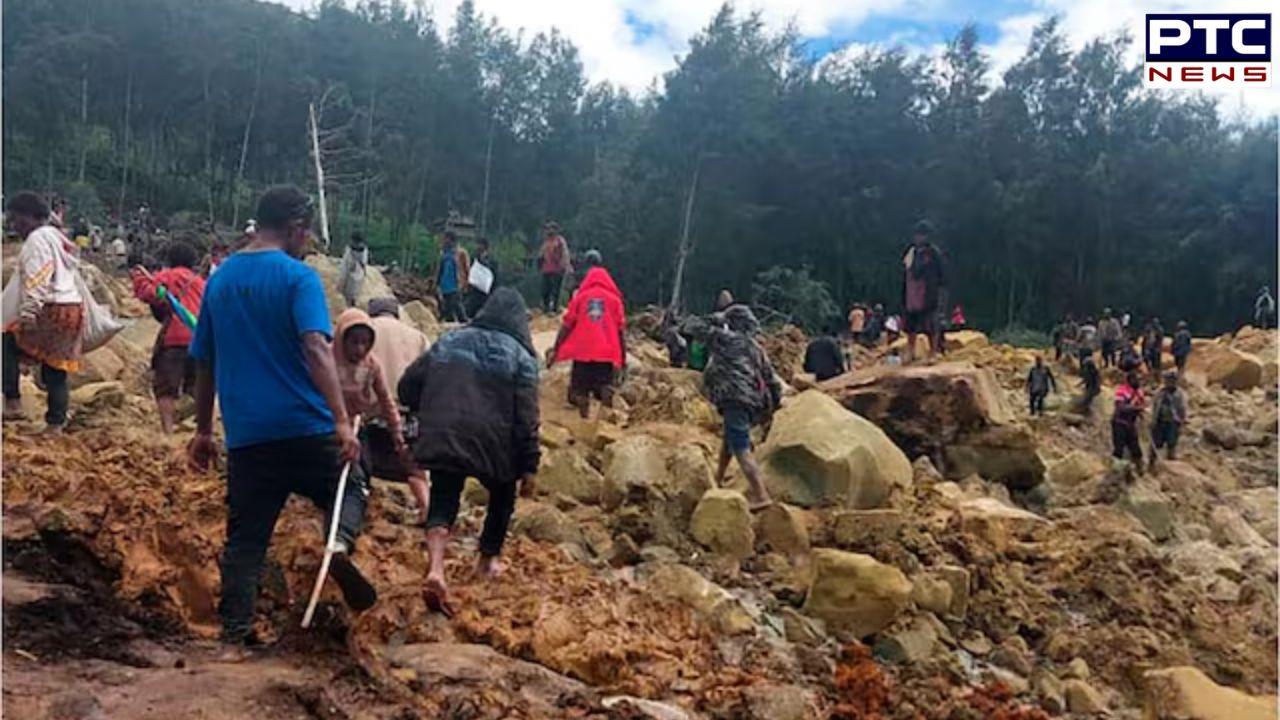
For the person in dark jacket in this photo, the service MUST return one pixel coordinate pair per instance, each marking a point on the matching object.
(1039, 382)
(823, 357)
(1168, 414)
(1129, 358)
(1152, 343)
(1090, 380)
(476, 296)
(741, 384)
(476, 396)
(923, 289)
(1109, 334)
(1181, 346)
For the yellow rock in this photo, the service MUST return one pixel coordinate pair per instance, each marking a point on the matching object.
(855, 592)
(1185, 693)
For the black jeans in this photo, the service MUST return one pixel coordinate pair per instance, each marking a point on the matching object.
(446, 494)
(1165, 435)
(475, 301)
(1037, 403)
(1108, 353)
(55, 382)
(551, 283)
(260, 479)
(1124, 439)
(451, 309)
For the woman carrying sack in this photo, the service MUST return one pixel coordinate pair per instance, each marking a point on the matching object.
(44, 312)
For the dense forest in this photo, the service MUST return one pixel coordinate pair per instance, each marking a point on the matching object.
(1063, 186)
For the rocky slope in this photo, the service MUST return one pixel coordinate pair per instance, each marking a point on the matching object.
(938, 555)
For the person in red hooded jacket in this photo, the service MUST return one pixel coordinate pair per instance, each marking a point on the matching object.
(592, 335)
(173, 369)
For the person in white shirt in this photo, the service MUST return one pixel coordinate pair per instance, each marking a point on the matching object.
(49, 314)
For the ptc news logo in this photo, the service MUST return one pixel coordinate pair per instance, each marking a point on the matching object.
(1208, 50)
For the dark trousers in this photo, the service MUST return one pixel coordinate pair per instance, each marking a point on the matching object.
(475, 301)
(451, 309)
(446, 495)
(551, 283)
(1108, 353)
(260, 479)
(55, 382)
(1165, 435)
(1037, 402)
(1124, 440)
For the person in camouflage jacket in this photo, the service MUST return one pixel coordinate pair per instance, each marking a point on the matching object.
(740, 382)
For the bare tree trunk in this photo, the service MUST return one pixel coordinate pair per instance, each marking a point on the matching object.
(368, 176)
(84, 119)
(244, 142)
(128, 108)
(686, 246)
(208, 142)
(488, 162)
(315, 154)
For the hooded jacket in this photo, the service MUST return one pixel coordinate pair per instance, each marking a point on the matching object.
(476, 395)
(739, 372)
(594, 321)
(364, 386)
(186, 286)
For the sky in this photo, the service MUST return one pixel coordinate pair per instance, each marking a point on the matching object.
(633, 42)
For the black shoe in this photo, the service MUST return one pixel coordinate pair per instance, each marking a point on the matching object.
(356, 590)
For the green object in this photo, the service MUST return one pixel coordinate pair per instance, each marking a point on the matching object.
(697, 356)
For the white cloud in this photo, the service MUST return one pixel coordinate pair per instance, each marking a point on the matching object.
(612, 50)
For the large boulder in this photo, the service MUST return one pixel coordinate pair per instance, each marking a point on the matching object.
(565, 471)
(997, 523)
(417, 314)
(710, 601)
(375, 285)
(1186, 693)
(1223, 365)
(782, 528)
(722, 522)
(855, 592)
(1077, 467)
(953, 409)
(1259, 507)
(651, 488)
(819, 453)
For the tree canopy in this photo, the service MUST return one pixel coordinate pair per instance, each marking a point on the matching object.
(1064, 186)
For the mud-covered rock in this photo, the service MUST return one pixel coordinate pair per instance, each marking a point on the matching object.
(819, 453)
(860, 529)
(327, 268)
(854, 592)
(684, 585)
(566, 472)
(1222, 365)
(782, 528)
(722, 523)
(997, 523)
(1186, 693)
(1076, 467)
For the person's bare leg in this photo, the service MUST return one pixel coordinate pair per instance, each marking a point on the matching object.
(437, 540)
(168, 413)
(421, 492)
(756, 491)
(723, 466)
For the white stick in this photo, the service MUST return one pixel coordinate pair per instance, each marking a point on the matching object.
(331, 543)
(315, 153)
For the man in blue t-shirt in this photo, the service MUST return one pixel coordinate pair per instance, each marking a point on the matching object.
(451, 278)
(262, 342)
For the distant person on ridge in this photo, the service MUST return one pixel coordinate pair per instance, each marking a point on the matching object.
(923, 287)
(740, 382)
(1087, 338)
(352, 269)
(173, 372)
(592, 335)
(553, 264)
(475, 393)
(1152, 346)
(1126, 419)
(823, 358)
(1110, 334)
(477, 296)
(857, 320)
(1039, 382)
(263, 344)
(1264, 309)
(451, 278)
(1181, 346)
(1168, 415)
(1090, 381)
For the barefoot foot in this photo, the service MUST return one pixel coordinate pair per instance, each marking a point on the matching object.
(489, 568)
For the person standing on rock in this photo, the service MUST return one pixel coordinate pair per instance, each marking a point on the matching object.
(395, 346)
(553, 264)
(823, 357)
(741, 384)
(1039, 382)
(173, 372)
(924, 284)
(44, 325)
(451, 278)
(476, 397)
(1264, 309)
(476, 296)
(1181, 346)
(1126, 419)
(262, 344)
(352, 269)
(1168, 414)
(593, 336)
(1152, 344)
(1110, 334)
